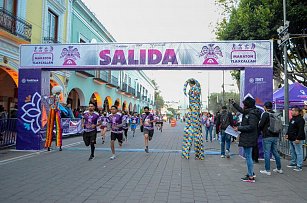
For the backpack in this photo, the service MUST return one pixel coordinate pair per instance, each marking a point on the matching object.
(225, 122)
(275, 122)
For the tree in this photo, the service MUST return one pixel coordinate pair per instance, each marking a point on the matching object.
(215, 103)
(159, 101)
(259, 19)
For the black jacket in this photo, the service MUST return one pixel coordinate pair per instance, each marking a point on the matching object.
(249, 126)
(265, 124)
(296, 128)
(218, 120)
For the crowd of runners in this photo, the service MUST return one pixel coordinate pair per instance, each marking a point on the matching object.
(118, 122)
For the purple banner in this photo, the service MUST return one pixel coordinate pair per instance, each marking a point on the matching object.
(258, 84)
(30, 113)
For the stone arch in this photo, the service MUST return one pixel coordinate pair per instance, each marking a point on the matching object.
(117, 103)
(124, 107)
(107, 103)
(135, 108)
(96, 99)
(130, 109)
(76, 98)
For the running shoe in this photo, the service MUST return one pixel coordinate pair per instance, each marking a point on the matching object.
(291, 165)
(298, 169)
(146, 150)
(248, 179)
(227, 154)
(265, 172)
(91, 158)
(222, 156)
(278, 171)
(113, 157)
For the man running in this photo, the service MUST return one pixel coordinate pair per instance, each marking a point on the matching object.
(148, 127)
(134, 120)
(125, 127)
(117, 122)
(90, 123)
(104, 126)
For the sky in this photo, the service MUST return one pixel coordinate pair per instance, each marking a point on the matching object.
(165, 21)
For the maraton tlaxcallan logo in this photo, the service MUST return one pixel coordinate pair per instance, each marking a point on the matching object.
(211, 54)
(70, 56)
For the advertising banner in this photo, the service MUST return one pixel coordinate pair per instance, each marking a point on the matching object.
(71, 126)
(165, 55)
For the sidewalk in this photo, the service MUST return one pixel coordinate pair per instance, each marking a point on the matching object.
(160, 176)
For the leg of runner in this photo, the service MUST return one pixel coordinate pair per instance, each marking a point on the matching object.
(103, 134)
(113, 138)
(126, 134)
(146, 140)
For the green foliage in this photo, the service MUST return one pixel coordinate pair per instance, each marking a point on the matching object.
(259, 19)
(159, 101)
(215, 103)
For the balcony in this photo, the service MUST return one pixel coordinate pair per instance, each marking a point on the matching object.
(15, 25)
(124, 87)
(101, 78)
(112, 82)
(131, 90)
(138, 95)
(85, 74)
(50, 40)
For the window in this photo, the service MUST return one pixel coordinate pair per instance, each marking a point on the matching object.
(52, 26)
(9, 5)
(129, 81)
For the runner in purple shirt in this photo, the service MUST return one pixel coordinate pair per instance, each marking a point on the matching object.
(147, 121)
(117, 122)
(104, 119)
(125, 127)
(134, 120)
(89, 124)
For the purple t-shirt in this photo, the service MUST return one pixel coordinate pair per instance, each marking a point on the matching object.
(117, 122)
(134, 120)
(89, 120)
(126, 119)
(146, 119)
(104, 121)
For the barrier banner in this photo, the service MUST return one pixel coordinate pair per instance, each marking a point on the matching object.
(164, 55)
(71, 126)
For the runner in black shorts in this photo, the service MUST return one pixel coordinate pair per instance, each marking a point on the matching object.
(117, 122)
(147, 121)
(90, 123)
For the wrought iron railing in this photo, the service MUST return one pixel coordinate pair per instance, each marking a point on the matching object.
(15, 25)
(8, 132)
(124, 87)
(113, 81)
(51, 40)
(104, 75)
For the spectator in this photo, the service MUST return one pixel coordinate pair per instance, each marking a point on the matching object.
(223, 121)
(69, 111)
(249, 133)
(305, 117)
(270, 140)
(296, 137)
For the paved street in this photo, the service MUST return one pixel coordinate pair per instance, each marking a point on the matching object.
(160, 176)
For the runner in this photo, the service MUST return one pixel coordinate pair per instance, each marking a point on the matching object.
(104, 125)
(117, 123)
(159, 123)
(134, 120)
(148, 126)
(125, 127)
(89, 124)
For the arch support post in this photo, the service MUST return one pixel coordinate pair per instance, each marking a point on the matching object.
(33, 92)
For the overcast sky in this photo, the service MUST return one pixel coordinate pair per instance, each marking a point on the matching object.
(165, 21)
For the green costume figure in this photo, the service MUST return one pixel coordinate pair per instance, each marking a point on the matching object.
(193, 128)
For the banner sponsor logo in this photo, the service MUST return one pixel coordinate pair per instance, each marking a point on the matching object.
(42, 55)
(31, 113)
(243, 53)
(70, 56)
(211, 54)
